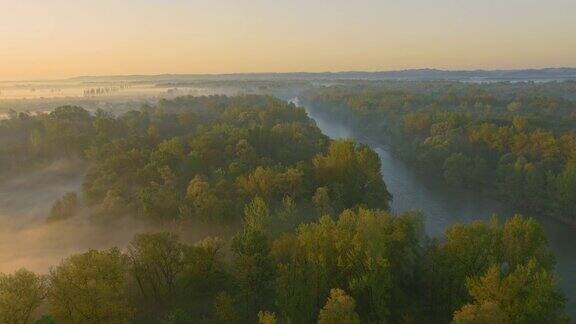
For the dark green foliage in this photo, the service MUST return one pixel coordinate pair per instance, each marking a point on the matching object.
(254, 272)
(91, 288)
(155, 261)
(64, 208)
(168, 277)
(20, 294)
(46, 319)
(224, 309)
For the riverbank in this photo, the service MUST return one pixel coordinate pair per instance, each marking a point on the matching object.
(444, 207)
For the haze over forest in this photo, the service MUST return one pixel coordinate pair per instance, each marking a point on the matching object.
(288, 161)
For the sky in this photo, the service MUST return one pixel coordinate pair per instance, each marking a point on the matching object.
(44, 39)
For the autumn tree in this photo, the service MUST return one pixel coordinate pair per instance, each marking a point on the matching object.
(339, 308)
(257, 216)
(529, 294)
(352, 175)
(266, 318)
(469, 251)
(484, 313)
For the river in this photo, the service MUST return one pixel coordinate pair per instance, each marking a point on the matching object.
(443, 207)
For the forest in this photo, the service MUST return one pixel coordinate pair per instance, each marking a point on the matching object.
(308, 232)
(515, 141)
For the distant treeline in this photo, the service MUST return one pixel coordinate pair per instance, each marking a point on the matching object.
(545, 74)
(101, 91)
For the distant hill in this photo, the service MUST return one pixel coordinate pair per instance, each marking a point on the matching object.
(414, 74)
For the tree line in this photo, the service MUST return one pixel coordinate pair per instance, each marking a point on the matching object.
(515, 141)
(359, 266)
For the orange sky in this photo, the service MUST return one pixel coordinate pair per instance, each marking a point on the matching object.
(61, 38)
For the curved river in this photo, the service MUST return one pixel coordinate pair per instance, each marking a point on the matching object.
(444, 207)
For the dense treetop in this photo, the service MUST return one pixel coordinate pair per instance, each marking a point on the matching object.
(199, 157)
(516, 141)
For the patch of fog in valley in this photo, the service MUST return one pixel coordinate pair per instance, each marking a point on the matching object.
(27, 240)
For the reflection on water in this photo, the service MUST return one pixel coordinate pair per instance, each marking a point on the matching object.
(443, 207)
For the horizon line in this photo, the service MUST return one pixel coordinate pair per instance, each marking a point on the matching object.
(430, 69)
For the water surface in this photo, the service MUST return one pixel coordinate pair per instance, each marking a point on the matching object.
(443, 207)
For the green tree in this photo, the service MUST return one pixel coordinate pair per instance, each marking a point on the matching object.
(203, 276)
(514, 107)
(529, 294)
(65, 207)
(204, 203)
(565, 192)
(20, 294)
(266, 318)
(519, 123)
(91, 288)
(262, 182)
(154, 262)
(254, 271)
(224, 310)
(322, 201)
(468, 251)
(339, 309)
(257, 215)
(69, 130)
(370, 253)
(524, 239)
(161, 200)
(352, 174)
(168, 153)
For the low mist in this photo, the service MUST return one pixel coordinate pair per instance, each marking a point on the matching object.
(27, 240)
